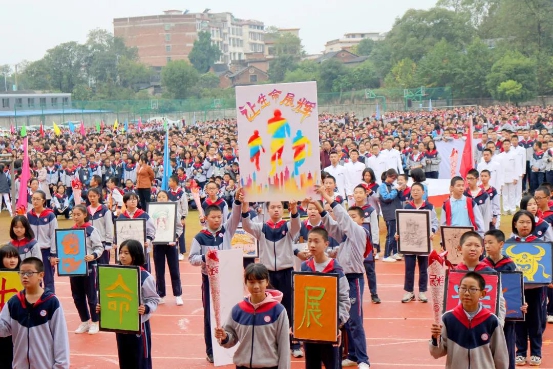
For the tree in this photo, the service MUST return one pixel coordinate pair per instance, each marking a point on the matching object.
(517, 67)
(133, 74)
(474, 65)
(510, 91)
(439, 67)
(307, 70)
(288, 44)
(37, 76)
(179, 78)
(402, 75)
(204, 54)
(331, 73)
(64, 63)
(280, 65)
(477, 10)
(381, 56)
(365, 47)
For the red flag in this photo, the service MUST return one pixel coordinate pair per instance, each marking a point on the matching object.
(102, 125)
(83, 131)
(21, 206)
(139, 123)
(12, 129)
(41, 130)
(467, 162)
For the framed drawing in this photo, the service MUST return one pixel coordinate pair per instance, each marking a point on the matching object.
(129, 229)
(451, 237)
(244, 241)
(164, 215)
(413, 228)
(512, 286)
(71, 248)
(315, 306)
(535, 259)
(119, 298)
(451, 293)
(10, 285)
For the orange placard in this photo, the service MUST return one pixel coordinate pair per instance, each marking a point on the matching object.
(315, 306)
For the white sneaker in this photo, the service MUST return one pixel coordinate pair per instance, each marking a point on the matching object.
(181, 257)
(398, 256)
(179, 301)
(550, 319)
(363, 366)
(376, 257)
(94, 328)
(348, 362)
(297, 353)
(408, 297)
(161, 301)
(422, 297)
(389, 259)
(83, 328)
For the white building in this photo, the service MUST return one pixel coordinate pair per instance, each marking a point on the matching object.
(350, 40)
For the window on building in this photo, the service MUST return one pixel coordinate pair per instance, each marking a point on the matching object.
(167, 37)
(30, 102)
(43, 102)
(5, 103)
(253, 78)
(65, 101)
(167, 27)
(18, 102)
(168, 59)
(54, 101)
(168, 48)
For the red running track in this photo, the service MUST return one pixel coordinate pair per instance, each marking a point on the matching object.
(397, 334)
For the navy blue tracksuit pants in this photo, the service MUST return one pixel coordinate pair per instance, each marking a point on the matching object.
(281, 280)
(371, 275)
(391, 243)
(182, 241)
(410, 262)
(85, 294)
(550, 303)
(509, 329)
(324, 353)
(357, 344)
(534, 325)
(207, 315)
(48, 270)
(134, 351)
(162, 252)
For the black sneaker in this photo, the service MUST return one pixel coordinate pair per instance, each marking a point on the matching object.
(375, 299)
(209, 358)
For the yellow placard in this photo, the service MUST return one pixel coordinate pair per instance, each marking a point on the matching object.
(315, 312)
(10, 285)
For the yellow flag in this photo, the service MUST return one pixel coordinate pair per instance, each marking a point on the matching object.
(115, 125)
(57, 130)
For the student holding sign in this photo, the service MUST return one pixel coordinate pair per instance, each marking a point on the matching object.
(9, 260)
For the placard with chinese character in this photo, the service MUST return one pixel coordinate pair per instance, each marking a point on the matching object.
(278, 129)
(512, 286)
(119, 298)
(244, 241)
(10, 285)
(535, 259)
(451, 293)
(315, 306)
(71, 247)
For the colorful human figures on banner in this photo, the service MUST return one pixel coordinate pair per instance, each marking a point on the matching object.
(279, 129)
(302, 149)
(255, 144)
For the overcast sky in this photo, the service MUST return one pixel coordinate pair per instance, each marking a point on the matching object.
(30, 27)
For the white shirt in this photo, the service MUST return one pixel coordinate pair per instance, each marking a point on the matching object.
(378, 165)
(393, 160)
(354, 175)
(339, 173)
(510, 165)
(521, 154)
(496, 174)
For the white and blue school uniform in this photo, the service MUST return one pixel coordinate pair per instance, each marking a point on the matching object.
(102, 219)
(26, 248)
(370, 223)
(179, 196)
(44, 227)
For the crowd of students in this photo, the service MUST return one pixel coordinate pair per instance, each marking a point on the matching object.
(368, 165)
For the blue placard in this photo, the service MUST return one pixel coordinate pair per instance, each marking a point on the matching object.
(71, 248)
(533, 259)
(512, 286)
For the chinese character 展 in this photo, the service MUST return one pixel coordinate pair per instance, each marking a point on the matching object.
(312, 309)
(304, 107)
(119, 292)
(288, 99)
(250, 116)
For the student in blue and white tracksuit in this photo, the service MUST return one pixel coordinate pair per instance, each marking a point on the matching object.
(44, 224)
(101, 218)
(177, 194)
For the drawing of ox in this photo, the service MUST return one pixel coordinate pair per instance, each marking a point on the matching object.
(527, 262)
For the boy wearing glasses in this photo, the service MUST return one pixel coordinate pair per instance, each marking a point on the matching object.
(34, 318)
(470, 335)
(480, 197)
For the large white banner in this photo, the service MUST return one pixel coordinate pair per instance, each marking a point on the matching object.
(278, 134)
(445, 149)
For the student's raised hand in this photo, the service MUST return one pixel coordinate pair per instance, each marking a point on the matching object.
(141, 310)
(524, 308)
(303, 255)
(436, 330)
(239, 195)
(220, 334)
(293, 206)
(97, 308)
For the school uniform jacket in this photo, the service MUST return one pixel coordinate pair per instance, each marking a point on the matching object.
(101, 219)
(306, 227)
(179, 196)
(370, 219)
(94, 244)
(353, 246)
(39, 333)
(148, 296)
(276, 241)
(44, 228)
(344, 303)
(26, 248)
(218, 239)
(482, 200)
(60, 202)
(543, 230)
(478, 342)
(494, 198)
(435, 160)
(220, 202)
(474, 214)
(261, 331)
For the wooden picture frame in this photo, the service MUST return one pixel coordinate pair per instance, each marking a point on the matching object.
(315, 321)
(535, 259)
(164, 216)
(413, 228)
(512, 286)
(244, 241)
(451, 292)
(71, 250)
(119, 291)
(450, 237)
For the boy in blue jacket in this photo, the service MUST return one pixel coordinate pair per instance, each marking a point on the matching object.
(35, 319)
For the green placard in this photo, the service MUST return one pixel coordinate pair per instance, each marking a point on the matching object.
(119, 298)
